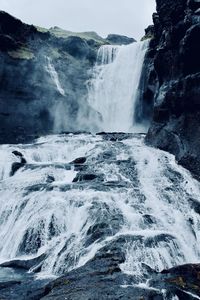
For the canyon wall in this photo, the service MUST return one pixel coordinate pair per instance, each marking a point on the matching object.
(173, 80)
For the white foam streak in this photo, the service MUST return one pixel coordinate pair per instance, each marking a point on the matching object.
(54, 76)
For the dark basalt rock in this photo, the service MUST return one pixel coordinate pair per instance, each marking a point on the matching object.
(115, 136)
(7, 43)
(17, 153)
(5, 285)
(85, 177)
(23, 264)
(17, 165)
(27, 289)
(79, 161)
(100, 278)
(15, 28)
(174, 80)
(50, 179)
(183, 279)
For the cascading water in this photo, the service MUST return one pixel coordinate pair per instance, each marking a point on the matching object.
(57, 214)
(54, 76)
(113, 90)
(140, 193)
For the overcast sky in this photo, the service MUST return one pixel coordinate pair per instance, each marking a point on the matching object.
(128, 17)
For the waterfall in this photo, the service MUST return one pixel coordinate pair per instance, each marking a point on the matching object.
(113, 89)
(54, 76)
(141, 201)
(70, 198)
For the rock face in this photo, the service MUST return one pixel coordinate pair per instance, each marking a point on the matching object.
(42, 79)
(100, 278)
(43, 75)
(117, 39)
(173, 81)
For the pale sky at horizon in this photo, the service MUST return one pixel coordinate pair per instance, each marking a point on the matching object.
(128, 17)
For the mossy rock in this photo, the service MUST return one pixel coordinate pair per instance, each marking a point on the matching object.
(61, 33)
(21, 53)
(147, 37)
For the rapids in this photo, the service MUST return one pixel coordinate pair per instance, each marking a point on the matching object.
(67, 211)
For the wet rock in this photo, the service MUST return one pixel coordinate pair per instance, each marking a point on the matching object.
(5, 285)
(27, 289)
(20, 155)
(100, 278)
(115, 136)
(195, 204)
(50, 179)
(31, 242)
(185, 278)
(37, 187)
(86, 177)
(17, 165)
(17, 153)
(98, 231)
(79, 161)
(23, 264)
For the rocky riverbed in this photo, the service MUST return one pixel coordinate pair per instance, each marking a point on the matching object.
(104, 214)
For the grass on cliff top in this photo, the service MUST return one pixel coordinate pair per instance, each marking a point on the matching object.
(61, 33)
(21, 53)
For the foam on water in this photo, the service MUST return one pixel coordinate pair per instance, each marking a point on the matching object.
(143, 197)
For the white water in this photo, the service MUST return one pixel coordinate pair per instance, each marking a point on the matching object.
(152, 207)
(113, 90)
(143, 198)
(54, 76)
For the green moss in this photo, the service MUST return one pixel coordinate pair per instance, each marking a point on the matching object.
(147, 37)
(55, 53)
(41, 29)
(179, 281)
(58, 32)
(58, 283)
(61, 33)
(21, 53)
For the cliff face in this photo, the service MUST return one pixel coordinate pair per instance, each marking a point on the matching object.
(173, 81)
(43, 76)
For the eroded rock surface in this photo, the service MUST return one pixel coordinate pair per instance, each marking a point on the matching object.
(174, 81)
